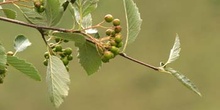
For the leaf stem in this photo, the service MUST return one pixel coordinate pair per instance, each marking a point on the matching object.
(139, 62)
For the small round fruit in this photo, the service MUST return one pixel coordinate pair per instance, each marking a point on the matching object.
(37, 3)
(70, 57)
(113, 43)
(108, 32)
(68, 51)
(118, 38)
(114, 50)
(58, 48)
(104, 60)
(65, 61)
(45, 62)
(46, 55)
(108, 54)
(10, 53)
(119, 44)
(108, 18)
(116, 22)
(57, 40)
(118, 29)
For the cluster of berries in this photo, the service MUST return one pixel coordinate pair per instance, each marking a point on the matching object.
(114, 39)
(39, 6)
(65, 54)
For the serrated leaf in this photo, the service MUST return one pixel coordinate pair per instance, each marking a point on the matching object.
(21, 43)
(133, 21)
(76, 37)
(3, 57)
(24, 67)
(89, 58)
(58, 80)
(184, 80)
(86, 6)
(89, 6)
(9, 13)
(54, 11)
(174, 52)
(33, 17)
(81, 12)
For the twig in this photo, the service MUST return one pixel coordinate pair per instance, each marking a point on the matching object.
(139, 62)
(73, 31)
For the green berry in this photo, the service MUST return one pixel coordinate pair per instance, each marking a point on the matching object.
(65, 61)
(108, 18)
(119, 44)
(10, 53)
(68, 51)
(118, 38)
(70, 57)
(37, 3)
(114, 50)
(108, 54)
(57, 40)
(118, 29)
(104, 60)
(113, 43)
(58, 48)
(62, 55)
(113, 33)
(116, 22)
(45, 62)
(109, 32)
(46, 55)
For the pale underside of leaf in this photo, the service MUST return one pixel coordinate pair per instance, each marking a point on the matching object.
(184, 80)
(174, 52)
(58, 80)
(133, 20)
(89, 57)
(21, 43)
(24, 67)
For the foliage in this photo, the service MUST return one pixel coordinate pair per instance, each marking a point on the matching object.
(93, 49)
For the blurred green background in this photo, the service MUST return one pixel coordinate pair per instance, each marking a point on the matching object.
(122, 84)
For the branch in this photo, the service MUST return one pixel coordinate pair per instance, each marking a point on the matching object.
(35, 26)
(73, 31)
(139, 62)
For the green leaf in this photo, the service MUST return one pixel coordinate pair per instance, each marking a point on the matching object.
(58, 80)
(54, 11)
(3, 57)
(86, 6)
(21, 43)
(33, 17)
(174, 52)
(24, 67)
(81, 12)
(9, 13)
(76, 37)
(89, 57)
(133, 20)
(184, 80)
